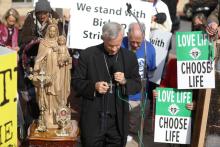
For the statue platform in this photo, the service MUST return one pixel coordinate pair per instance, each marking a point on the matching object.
(50, 139)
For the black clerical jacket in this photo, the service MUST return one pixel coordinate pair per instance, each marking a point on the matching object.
(91, 69)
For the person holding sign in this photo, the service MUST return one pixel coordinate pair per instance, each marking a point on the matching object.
(136, 43)
(161, 17)
(106, 74)
(170, 81)
(213, 22)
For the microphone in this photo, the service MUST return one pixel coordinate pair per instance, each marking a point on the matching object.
(128, 7)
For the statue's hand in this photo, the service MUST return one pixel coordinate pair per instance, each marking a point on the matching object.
(66, 60)
(55, 48)
(60, 63)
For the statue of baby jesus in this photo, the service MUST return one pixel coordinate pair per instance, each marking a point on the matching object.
(65, 64)
(64, 58)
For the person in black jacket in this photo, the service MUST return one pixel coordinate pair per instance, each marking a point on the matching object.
(36, 22)
(106, 74)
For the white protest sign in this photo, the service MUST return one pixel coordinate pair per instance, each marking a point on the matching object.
(88, 17)
(58, 3)
(161, 41)
(172, 119)
(195, 60)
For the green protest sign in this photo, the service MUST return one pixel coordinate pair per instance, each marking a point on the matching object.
(195, 55)
(194, 46)
(172, 119)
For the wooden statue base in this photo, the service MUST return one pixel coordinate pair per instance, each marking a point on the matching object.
(50, 139)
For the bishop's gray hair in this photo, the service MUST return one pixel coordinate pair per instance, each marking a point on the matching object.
(111, 30)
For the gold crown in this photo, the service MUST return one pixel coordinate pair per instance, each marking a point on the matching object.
(53, 21)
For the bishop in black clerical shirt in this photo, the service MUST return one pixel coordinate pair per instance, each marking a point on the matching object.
(106, 74)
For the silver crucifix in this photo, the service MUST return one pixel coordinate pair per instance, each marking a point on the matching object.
(41, 121)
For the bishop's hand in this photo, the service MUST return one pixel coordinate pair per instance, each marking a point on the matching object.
(101, 87)
(120, 78)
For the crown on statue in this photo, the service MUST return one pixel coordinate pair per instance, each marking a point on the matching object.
(53, 21)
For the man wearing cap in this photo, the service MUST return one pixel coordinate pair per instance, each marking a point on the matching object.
(36, 22)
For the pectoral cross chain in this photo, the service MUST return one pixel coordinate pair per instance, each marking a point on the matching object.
(110, 84)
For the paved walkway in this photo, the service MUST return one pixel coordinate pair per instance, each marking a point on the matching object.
(148, 137)
(147, 142)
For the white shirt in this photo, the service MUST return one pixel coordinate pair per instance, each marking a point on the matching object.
(159, 7)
